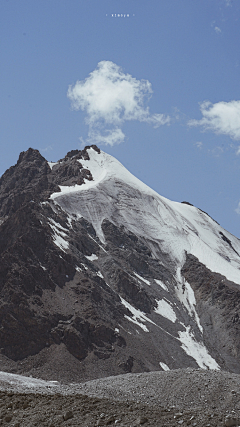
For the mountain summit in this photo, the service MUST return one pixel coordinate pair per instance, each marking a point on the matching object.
(100, 275)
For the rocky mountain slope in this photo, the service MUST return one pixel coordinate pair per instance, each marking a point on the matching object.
(187, 397)
(99, 275)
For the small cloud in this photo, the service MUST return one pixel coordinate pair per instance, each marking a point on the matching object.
(228, 2)
(49, 148)
(217, 151)
(177, 114)
(199, 144)
(238, 151)
(238, 209)
(109, 98)
(221, 118)
(106, 136)
(217, 30)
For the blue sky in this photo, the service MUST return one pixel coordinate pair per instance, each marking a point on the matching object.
(158, 89)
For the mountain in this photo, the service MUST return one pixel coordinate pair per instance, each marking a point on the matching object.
(100, 275)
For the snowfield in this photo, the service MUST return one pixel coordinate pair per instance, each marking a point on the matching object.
(115, 194)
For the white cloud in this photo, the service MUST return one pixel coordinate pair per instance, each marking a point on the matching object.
(221, 118)
(46, 148)
(217, 30)
(238, 209)
(199, 144)
(109, 97)
(105, 136)
(238, 151)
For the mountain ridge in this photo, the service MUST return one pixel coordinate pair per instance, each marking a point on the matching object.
(90, 285)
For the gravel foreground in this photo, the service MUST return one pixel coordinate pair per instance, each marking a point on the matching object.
(183, 397)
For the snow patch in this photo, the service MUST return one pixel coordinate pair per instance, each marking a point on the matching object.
(139, 318)
(186, 296)
(100, 246)
(58, 236)
(70, 218)
(29, 382)
(165, 310)
(160, 283)
(100, 274)
(57, 225)
(92, 257)
(164, 366)
(142, 278)
(60, 242)
(51, 164)
(197, 350)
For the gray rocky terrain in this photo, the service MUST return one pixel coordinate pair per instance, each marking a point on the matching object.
(184, 397)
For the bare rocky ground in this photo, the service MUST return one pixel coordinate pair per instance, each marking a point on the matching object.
(182, 397)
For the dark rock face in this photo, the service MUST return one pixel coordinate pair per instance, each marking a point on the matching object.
(70, 302)
(32, 179)
(225, 239)
(31, 265)
(30, 262)
(44, 301)
(218, 304)
(23, 182)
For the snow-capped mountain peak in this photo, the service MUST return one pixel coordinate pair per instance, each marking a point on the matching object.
(102, 275)
(176, 227)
